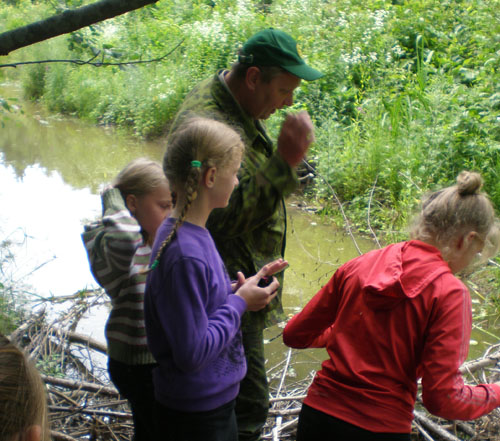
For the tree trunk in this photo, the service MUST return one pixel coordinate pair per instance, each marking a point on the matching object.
(66, 22)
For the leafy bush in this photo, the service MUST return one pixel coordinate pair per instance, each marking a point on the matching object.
(411, 94)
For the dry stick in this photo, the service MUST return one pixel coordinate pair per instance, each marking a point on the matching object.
(347, 223)
(289, 425)
(63, 397)
(423, 431)
(83, 410)
(285, 369)
(284, 412)
(475, 365)
(466, 428)
(79, 338)
(368, 214)
(63, 349)
(291, 398)
(432, 426)
(83, 293)
(276, 430)
(80, 385)
(61, 436)
(16, 335)
(492, 262)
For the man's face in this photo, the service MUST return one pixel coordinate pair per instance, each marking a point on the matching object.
(274, 95)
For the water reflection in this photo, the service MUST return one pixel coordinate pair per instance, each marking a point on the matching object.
(42, 220)
(84, 155)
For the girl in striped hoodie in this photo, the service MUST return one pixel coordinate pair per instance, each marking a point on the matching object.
(119, 248)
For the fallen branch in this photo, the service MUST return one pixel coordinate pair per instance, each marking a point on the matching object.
(475, 365)
(79, 409)
(432, 426)
(284, 412)
(289, 398)
(79, 338)
(61, 436)
(81, 385)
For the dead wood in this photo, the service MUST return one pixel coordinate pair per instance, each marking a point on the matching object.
(84, 405)
(98, 389)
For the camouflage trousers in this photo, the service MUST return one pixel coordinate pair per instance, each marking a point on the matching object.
(252, 402)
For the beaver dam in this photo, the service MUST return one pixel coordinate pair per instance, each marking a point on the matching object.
(84, 405)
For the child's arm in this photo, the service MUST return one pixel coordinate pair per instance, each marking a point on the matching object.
(197, 319)
(112, 242)
(311, 327)
(446, 347)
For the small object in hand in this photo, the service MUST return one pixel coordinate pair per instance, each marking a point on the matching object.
(265, 281)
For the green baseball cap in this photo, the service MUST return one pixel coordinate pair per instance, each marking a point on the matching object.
(271, 47)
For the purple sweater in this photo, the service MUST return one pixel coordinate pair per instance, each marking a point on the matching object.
(192, 323)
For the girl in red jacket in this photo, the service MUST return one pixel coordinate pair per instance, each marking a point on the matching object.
(395, 315)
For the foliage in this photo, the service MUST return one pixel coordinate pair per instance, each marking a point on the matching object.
(10, 294)
(411, 94)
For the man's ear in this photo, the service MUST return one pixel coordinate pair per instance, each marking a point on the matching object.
(210, 177)
(131, 203)
(252, 77)
(33, 433)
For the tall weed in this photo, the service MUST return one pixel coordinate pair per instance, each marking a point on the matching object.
(411, 94)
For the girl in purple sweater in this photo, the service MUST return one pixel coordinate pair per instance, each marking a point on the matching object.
(192, 310)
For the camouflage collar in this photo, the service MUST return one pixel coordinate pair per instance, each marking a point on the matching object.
(225, 99)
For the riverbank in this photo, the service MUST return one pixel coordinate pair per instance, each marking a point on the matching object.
(83, 404)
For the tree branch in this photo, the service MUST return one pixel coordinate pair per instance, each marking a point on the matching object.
(95, 63)
(69, 21)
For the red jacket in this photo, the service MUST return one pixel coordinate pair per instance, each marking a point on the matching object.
(388, 318)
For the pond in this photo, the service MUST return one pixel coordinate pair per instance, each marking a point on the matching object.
(51, 171)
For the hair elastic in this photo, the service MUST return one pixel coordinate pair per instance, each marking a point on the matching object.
(196, 164)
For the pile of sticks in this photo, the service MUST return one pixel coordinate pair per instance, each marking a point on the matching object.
(83, 404)
(286, 400)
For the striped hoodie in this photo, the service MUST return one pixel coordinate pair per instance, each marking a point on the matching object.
(117, 254)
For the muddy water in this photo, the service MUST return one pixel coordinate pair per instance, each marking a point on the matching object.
(51, 171)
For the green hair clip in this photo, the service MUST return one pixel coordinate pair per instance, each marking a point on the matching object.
(155, 264)
(196, 164)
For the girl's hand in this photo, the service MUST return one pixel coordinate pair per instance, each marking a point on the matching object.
(274, 267)
(235, 284)
(259, 297)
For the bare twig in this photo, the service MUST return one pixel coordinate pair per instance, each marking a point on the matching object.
(90, 61)
(368, 214)
(334, 194)
(432, 426)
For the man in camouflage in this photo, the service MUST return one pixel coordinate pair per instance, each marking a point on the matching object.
(250, 231)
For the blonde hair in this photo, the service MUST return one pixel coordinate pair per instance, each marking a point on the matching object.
(139, 177)
(457, 210)
(200, 143)
(23, 401)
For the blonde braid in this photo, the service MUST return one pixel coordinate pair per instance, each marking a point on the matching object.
(191, 188)
(213, 144)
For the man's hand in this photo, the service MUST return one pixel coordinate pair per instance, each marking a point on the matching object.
(297, 134)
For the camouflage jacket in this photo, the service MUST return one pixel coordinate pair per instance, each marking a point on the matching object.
(251, 230)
